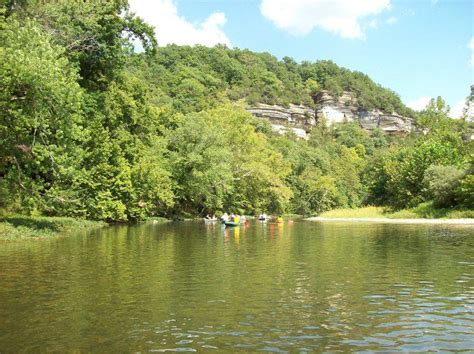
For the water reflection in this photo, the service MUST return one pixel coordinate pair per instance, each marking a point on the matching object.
(290, 287)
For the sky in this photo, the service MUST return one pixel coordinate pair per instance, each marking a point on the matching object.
(418, 48)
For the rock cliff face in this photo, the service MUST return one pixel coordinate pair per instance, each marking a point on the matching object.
(389, 123)
(336, 110)
(301, 119)
(344, 110)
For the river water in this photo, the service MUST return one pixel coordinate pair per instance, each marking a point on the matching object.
(297, 287)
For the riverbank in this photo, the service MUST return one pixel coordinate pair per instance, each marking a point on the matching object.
(14, 228)
(397, 221)
(422, 214)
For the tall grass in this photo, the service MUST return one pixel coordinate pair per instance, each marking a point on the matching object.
(25, 227)
(366, 212)
(424, 210)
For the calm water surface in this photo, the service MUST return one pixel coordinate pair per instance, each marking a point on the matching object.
(187, 286)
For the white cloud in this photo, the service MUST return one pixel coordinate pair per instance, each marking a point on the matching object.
(470, 45)
(342, 17)
(456, 111)
(373, 23)
(420, 103)
(170, 27)
(392, 20)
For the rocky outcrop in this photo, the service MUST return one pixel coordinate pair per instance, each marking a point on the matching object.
(282, 129)
(335, 110)
(300, 119)
(344, 109)
(389, 123)
(299, 116)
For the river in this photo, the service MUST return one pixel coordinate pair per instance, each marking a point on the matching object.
(302, 286)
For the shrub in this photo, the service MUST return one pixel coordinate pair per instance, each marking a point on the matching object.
(441, 184)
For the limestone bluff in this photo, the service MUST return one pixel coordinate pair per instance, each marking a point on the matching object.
(300, 119)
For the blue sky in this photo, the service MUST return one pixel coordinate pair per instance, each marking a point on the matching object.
(420, 49)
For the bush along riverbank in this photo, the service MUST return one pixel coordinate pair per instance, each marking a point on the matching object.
(14, 228)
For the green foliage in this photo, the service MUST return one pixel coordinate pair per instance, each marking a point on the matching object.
(352, 135)
(194, 76)
(317, 193)
(40, 123)
(21, 227)
(435, 117)
(70, 151)
(465, 190)
(428, 210)
(397, 177)
(94, 34)
(441, 184)
(220, 162)
(324, 173)
(92, 130)
(125, 175)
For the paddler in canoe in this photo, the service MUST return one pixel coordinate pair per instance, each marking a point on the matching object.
(210, 219)
(225, 217)
(236, 220)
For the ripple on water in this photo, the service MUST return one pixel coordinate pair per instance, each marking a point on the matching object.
(173, 350)
(186, 287)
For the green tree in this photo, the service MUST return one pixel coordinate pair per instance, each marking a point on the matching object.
(95, 34)
(41, 116)
(200, 159)
(397, 177)
(441, 184)
(220, 161)
(124, 175)
(435, 117)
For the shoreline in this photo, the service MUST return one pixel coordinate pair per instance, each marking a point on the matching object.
(22, 228)
(396, 221)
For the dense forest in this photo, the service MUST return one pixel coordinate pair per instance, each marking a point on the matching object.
(91, 128)
(188, 77)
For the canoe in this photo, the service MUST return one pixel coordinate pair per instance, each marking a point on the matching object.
(209, 221)
(231, 223)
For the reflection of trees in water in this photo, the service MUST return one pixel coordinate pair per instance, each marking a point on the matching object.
(336, 281)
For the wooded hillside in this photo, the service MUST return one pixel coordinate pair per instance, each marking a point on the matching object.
(91, 129)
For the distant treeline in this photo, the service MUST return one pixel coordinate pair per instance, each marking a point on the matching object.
(91, 129)
(193, 76)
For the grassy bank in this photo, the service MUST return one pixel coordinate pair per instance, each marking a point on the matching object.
(25, 227)
(422, 211)
(157, 220)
